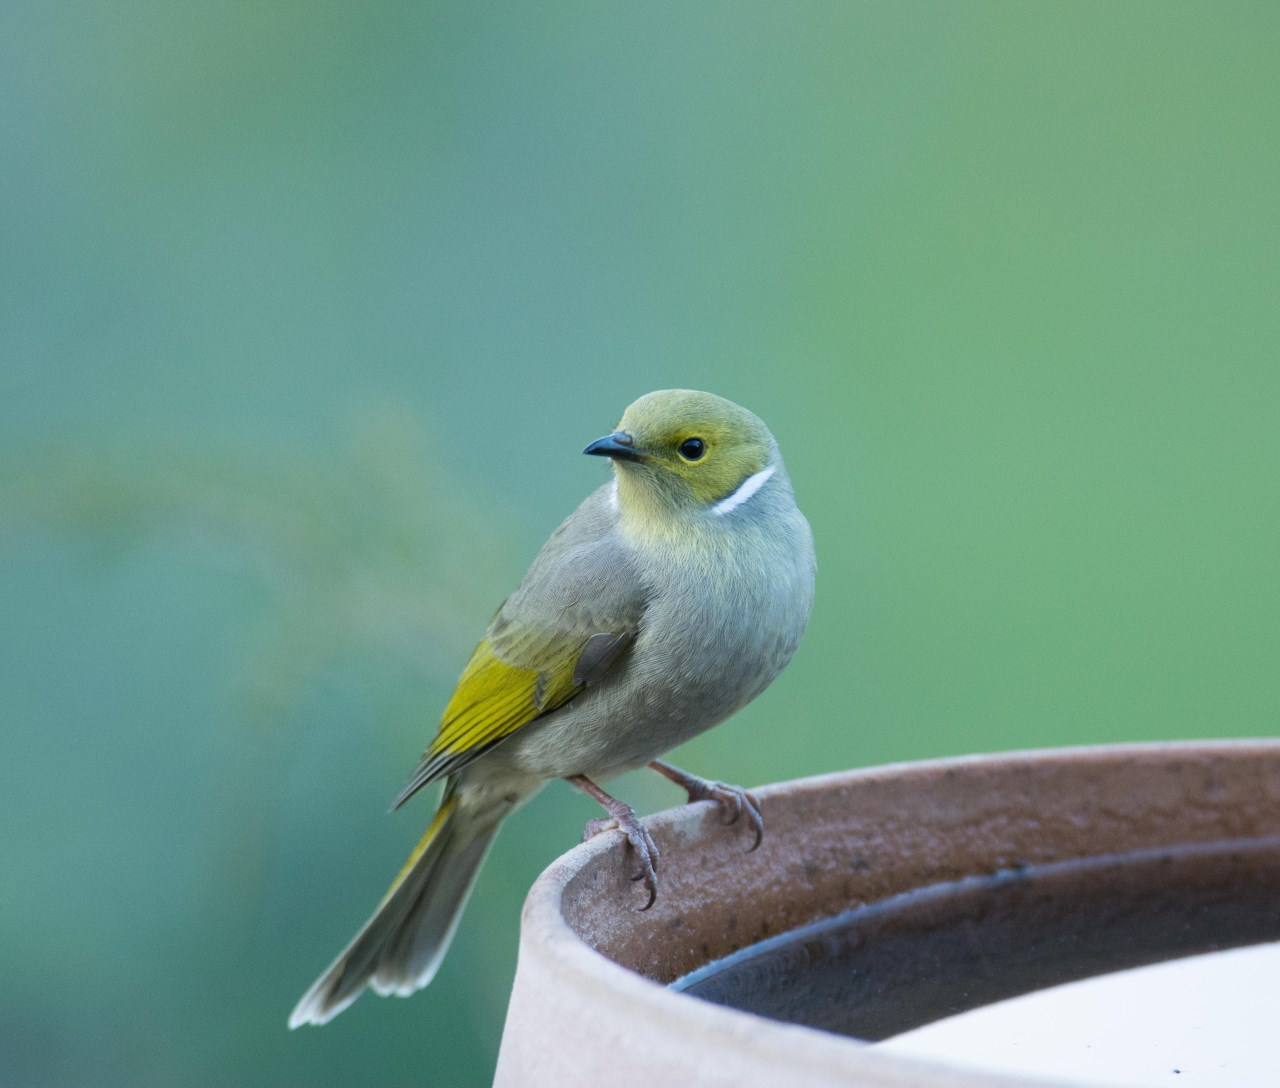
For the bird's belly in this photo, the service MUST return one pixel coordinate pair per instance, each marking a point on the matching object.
(685, 674)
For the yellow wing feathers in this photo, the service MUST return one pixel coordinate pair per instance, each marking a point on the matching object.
(494, 698)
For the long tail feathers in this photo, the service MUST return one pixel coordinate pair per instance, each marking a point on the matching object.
(400, 947)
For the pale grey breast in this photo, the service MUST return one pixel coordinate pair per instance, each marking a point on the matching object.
(719, 624)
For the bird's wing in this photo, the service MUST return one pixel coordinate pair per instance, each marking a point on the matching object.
(566, 627)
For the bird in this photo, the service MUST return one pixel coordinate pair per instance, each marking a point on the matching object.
(668, 600)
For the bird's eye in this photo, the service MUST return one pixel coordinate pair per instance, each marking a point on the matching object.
(692, 448)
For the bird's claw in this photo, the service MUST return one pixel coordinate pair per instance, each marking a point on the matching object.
(733, 802)
(640, 844)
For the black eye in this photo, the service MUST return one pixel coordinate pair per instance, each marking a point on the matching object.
(692, 448)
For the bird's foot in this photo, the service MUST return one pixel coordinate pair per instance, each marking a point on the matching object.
(733, 801)
(622, 817)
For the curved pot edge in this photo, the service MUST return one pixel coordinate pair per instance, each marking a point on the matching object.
(554, 960)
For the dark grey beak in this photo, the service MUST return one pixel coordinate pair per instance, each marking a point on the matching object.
(618, 445)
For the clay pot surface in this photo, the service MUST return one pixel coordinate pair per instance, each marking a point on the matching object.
(590, 1005)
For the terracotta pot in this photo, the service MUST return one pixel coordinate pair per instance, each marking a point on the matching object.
(1040, 867)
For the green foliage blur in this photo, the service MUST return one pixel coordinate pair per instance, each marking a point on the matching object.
(306, 312)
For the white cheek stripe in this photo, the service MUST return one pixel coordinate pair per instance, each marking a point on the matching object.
(613, 493)
(746, 489)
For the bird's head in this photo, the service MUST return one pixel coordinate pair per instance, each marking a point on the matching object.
(680, 453)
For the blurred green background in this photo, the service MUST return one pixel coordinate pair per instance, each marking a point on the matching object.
(307, 310)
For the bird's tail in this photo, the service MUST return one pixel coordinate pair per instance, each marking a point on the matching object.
(400, 947)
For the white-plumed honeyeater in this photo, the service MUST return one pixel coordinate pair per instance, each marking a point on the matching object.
(667, 601)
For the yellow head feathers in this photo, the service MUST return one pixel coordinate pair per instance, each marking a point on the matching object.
(684, 450)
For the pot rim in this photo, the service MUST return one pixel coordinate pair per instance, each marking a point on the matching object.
(818, 1056)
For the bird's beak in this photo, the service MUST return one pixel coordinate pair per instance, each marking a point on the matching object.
(619, 445)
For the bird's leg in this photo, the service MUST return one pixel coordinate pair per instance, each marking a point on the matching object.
(623, 817)
(733, 800)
